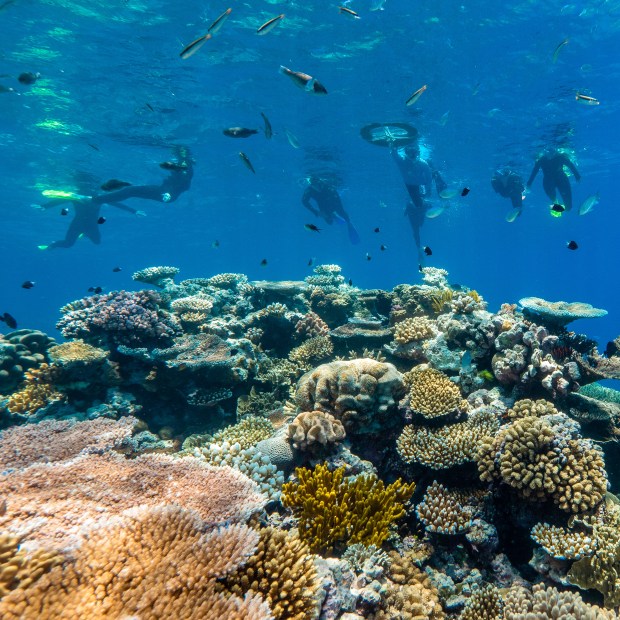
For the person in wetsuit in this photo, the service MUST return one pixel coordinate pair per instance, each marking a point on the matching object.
(555, 179)
(418, 176)
(509, 184)
(86, 220)
(323, 200)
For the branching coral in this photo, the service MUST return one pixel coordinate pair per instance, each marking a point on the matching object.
(412, 330)
(433, 395)
(315, 429)
(248, 432)
(37, 392)
(283, 572)
(484, 604)
(546, 459)
(153, 563)
(526, 407)
(311, 325)
(563, 544)
(334, 512)
(312, 350)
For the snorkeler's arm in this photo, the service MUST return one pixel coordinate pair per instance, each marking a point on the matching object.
(305, 201)
(440, 184)
(534, 173)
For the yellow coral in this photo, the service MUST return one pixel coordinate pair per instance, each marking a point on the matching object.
(334, 512)
(37, 392)
(433, 395)
(412, 330)
(440, 299)
(282, 570)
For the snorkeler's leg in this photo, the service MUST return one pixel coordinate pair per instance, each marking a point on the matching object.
(549, 185)
(73, 234)
(516, 200)
(564, 188)
(415, 213)
(147, 192)
(93, 232)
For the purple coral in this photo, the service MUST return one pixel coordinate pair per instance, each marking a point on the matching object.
(120, 317)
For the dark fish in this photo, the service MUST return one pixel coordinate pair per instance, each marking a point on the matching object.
(101, 220)
(350, 282)
(28, 284)
(465, 191)
(420, 268)
(95, 289)
(558, 208)
(215, 244)
(173, 165)
(383, 248)
(9, 320)
(113, 184)
(427, 251)
(377, 230)
(368, 256)
(64, 211)
(263, 263)
(349, 12)
(93, 146)
(246, 161)
(305, 81)
(310, 263)
(116, 269)
(239, 132)
(28, 78)
(572, 245)
(219, 22)
(150, 107)
(268, 129)
(194, 46)
(270, 24)
(312, 227)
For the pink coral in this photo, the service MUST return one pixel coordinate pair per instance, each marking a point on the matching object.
(50, 503)
(117, 318)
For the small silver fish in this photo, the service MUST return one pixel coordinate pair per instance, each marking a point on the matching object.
(586, 100)
(350, 13)
(589, 203)
(268, 129)
(292, 139)
(219, 22)
(416, 95)
(246, 161)
(304, 81)
(270, 24)
(556, 52)
(194, 46)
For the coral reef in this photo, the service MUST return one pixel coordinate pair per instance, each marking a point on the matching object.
(157, 276)
(335, 512)
(37, 392)
(248, 432)
(558, 313)
(432, 394)
(314, 429)
(19, 351)
(413, 329)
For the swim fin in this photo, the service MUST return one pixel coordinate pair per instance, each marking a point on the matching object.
(354, 237)
(513, 215)
(43, 247)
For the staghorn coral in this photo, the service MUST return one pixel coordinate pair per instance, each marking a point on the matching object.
(312, 350)
(52, 502)
(447, 511)
(410, 593)
(20, 569)
(432, 394)
(334, 512)
(563, 544)
(283, 572)
(314, 429)
(526, 407)
(484, 604)
(311, 325)
(157, 276)
(447, 446)
(248, 432)
(413, 330)
(546, 459)
(152, 563)
(548, 603)
(50, 441)
(37, 392)
(118, 318)
(361, 393)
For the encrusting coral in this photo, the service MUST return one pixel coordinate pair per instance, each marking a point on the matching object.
(545, 458)
(334, 512)
(282, 571)
(315, 429)
(152, 563)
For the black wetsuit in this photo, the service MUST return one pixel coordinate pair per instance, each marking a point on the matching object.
(85, 221)
(418, 176)
(509, 184)
(554, 178)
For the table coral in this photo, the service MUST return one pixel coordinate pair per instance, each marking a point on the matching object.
(314, 429)
(334, 512)
(432, 394)
(558, 313)
(152, 563)
(546, 459)
(361, 393)
(157, 276)
(282, 571)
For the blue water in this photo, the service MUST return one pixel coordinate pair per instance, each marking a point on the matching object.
(494, 97)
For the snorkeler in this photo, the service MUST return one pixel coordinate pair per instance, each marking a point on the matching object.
(509, 184)
(555, 179)
(87, 220)
(328, 205)
(418, 176)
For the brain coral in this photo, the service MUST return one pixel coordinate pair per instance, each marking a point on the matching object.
(313, 429)
(361, 393)
(546, 459)
(153, 563)
(432, 394)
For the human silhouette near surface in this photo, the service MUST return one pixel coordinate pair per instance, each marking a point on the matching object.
(418, 176)
(87, 220)
(555, 179)
(323, 200)
(509, 184)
